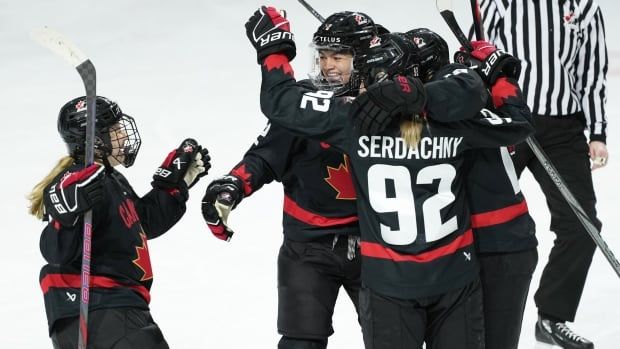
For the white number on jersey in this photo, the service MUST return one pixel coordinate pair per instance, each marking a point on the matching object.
(403, 202)
(319, 100)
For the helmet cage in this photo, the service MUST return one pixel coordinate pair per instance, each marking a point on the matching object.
(116, 134)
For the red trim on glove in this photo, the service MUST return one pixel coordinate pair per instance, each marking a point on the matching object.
(277, 19)
(80, 176)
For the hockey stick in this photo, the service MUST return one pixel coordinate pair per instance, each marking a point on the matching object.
(312, 10)
(63, 47)
(478, 26)
(445, 6)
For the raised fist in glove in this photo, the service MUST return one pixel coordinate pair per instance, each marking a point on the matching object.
(269, 31)
(391, 99)
(491, 62)
(74, 194)
(222, 195)
(183, 167)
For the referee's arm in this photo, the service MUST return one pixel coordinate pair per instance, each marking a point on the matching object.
(591, 77)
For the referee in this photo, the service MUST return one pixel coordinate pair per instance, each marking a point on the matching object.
(561, 45)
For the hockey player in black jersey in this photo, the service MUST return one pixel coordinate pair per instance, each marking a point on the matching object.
(419, 266)
(120, 271)
(502, 226)
(320, 250)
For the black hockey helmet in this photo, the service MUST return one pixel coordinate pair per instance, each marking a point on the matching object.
(432, 51)
(392, 54)
(116, 134)
(344, 32)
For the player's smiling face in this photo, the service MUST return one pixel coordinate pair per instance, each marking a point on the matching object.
(336, 66)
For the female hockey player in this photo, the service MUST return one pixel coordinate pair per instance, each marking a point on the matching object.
(122, 222)
(320, 249)
(419, 267)
(503, 229)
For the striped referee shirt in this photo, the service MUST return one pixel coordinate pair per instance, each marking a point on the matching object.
(561, 45)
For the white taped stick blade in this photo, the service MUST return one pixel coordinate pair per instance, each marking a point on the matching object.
(59, 44)
(444, 5)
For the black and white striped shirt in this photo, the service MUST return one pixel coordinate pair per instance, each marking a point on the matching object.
(561, 44)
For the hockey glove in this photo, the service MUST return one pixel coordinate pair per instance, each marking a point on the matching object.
(490, 62)
(173, 172)
(74, 194)
(198, 168)
(392, 99)
(269, 32)
(222, 195)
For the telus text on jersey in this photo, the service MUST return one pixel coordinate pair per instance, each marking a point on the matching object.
(395, 147)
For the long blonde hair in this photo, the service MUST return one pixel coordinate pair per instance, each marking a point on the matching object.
(411, 131)
(35, 197)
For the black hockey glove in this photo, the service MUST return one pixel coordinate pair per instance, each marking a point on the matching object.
(490, 61)
(183, 167)
(269, 32)
(392, 99)
(222, 195)
(74, 194)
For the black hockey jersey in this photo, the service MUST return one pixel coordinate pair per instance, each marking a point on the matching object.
(319, 197)
(121, 274)
(414, 219)
(500, 217)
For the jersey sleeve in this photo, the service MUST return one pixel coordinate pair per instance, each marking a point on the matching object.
(300, 109)
(508, 123)
(456, 93)
(159, 209)
(267, 159)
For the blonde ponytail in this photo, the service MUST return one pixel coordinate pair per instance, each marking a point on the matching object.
(411, 131)
(36, 195)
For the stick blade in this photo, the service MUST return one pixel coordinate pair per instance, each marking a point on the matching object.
(59, 44)
(444, 5)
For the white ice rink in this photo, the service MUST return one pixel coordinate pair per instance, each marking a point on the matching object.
(185, 69)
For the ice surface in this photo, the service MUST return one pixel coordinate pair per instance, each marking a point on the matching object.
(185, 69)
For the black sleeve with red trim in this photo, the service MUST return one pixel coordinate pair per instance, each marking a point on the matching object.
(266, 160)
(302, 110)
(508, 123)
(159, 209)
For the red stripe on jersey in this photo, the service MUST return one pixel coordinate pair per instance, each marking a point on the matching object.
(375, 250)
(74, 281)
(495, 217)
(292, 209)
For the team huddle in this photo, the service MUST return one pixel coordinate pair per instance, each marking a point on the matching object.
(399, 186)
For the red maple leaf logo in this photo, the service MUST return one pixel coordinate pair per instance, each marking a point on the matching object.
(143, 260)
(501, 90)
(278, 61)
(340, 179)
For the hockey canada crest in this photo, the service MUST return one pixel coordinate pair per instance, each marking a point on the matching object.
(360, 19)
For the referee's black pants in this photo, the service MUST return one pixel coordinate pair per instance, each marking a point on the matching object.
(564, 276)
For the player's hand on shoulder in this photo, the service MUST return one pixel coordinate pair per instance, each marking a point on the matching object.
(269, 32)
(386, 101)
(75, 193)
(183, 166)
